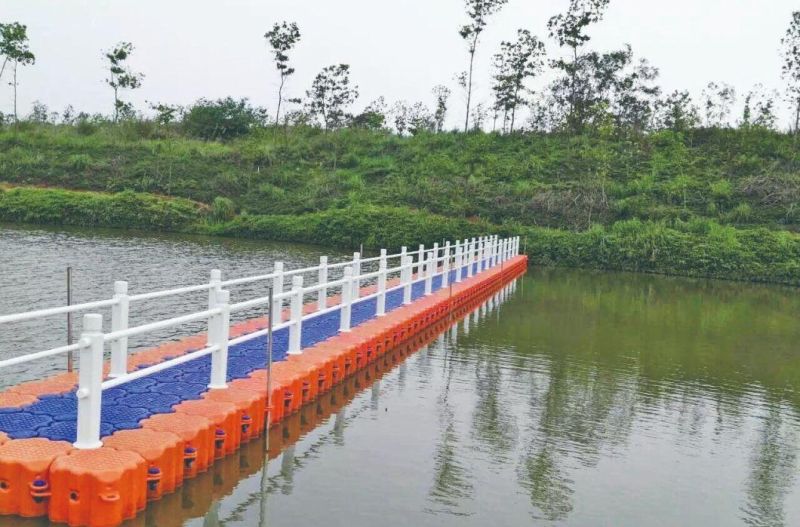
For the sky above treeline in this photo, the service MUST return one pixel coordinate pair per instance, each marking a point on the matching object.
(189, 49)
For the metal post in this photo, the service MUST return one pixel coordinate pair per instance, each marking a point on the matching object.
(277, 287)
(347, 300)
(269, 367)
(90, 378)
(296, 329)
(420, 261)
(405, 278)
(222, 325)
(322, 278)
(470, 256)
(70, 357)
(356, 274)
(119, 322)
(381, 308)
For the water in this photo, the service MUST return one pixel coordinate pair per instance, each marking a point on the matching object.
(584, 398)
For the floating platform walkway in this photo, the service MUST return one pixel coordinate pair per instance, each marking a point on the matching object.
(92, 448)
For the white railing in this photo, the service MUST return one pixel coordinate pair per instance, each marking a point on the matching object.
(464, 257)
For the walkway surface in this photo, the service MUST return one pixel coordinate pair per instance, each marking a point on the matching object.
(54, 415)
(163, 428)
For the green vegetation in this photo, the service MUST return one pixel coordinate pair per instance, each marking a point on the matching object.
(699, 247)
(742, 178)
(607, 172)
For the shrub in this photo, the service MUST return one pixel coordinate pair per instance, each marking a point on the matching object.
(222, 119)
(222, 209)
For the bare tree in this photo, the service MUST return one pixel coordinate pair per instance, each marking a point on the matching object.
(121, 77)
(759, 109)
(791, 66)
(516, 62)
(282, 38)
(14, 49)
(442, 94)
(717, 102)
(478, 12)
(569, 30)
(331, 95)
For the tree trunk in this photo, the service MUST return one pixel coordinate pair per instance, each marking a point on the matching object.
(514, 108)
(16, 119)
(469, 81)
(797, 117)
(116, 105)
(573, 88)
(280, 98)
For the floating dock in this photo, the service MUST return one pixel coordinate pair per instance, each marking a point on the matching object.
(162, 428)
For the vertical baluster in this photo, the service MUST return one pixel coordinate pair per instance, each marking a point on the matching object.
(446, 265)
(277, 289)
(458, 263)
(381, 307)
(90, 378)
(322, 278)
(347, 299)
(408, 263)
(119, 322)
(470, 256)
(428, 272)
(221, 323)
(420, 262)
(356, 275)
(296, 316)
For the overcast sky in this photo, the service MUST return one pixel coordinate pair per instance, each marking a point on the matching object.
(399, 49)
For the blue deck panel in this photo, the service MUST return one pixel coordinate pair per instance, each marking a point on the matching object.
(54, 416)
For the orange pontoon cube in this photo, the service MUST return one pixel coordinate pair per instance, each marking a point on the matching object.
(97, 488)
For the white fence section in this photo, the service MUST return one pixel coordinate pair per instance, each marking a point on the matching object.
(465, 256)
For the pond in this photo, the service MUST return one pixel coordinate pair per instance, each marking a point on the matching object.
(578, 398)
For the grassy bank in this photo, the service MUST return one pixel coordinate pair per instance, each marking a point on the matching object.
(697, 247)
(743, 178)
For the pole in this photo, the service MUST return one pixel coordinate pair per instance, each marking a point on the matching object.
(70, 358)
(263, 494)
(269, 363)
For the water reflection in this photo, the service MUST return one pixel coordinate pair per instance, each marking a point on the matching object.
(569, 398)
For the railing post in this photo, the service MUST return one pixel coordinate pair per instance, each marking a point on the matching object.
(381, 307)
(434, 268)
(356, 274)
(90, 379)
(322, 278)
(516, 244)
(420, 262)
(446, 265)
(296, 329)
(429, 273)
(119, 322)
(215, 287)
(406, 278)
(219, 327)
(277, 289)
(347, 300)
(495, 249)
(459, 250)
(470, 256)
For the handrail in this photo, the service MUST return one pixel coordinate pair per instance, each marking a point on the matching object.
(464, 257)
(47, 312)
